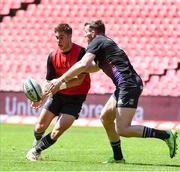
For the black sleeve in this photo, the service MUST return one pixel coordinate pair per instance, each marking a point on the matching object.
(81, 54)
(94, 47)
(51, 74)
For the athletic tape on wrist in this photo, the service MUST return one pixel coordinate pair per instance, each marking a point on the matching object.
(63, 86)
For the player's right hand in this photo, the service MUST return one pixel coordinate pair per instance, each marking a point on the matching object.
(51, 87)
(36, 105)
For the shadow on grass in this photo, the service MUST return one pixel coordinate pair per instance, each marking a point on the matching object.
(149, 164)
(58, 160)
(46, 159)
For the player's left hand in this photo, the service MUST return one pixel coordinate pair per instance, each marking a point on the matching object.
(36, 105)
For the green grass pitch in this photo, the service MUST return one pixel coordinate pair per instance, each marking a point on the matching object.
(82, 149)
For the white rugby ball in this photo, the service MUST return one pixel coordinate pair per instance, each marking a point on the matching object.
(32, 90)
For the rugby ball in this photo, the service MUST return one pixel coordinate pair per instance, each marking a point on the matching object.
(32, 90)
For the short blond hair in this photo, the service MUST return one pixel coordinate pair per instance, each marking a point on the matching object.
(63, 27)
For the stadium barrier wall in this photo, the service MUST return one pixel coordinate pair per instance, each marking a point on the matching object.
(15, 108)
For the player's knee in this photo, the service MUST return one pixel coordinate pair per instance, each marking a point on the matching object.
(122, 132)
(106, 119)
(55, 134)
(40, 127)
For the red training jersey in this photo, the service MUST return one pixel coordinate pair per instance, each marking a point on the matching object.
(58, 63)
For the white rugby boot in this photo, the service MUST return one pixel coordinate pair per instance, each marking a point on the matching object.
(32, 155)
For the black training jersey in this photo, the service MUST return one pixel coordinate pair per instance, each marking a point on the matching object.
(113, 61)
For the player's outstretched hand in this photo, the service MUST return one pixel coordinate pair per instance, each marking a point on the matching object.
(36, 105)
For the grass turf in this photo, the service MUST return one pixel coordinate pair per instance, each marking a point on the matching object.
(82, 149)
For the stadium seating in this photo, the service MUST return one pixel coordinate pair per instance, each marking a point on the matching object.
(6, 5)
(148, 30)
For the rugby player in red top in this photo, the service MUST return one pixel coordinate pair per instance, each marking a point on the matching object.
(66, 103)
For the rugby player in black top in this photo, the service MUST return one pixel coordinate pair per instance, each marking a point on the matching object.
(123, 103)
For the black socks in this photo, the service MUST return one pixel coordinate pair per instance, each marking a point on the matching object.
(45, 143)
(37, 135)
(116, 147)
(151, 132)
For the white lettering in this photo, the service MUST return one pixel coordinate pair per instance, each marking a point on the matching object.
(36, 112)
(91, 110)
(8, 105)
(28, 107)
(91, 107)
(98, 110)
(84, 111)
(94, 111)
(21, 108)
(139, 115)
(14, 107)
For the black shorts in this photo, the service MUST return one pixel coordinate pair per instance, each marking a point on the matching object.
(128, 96)
(62, 103)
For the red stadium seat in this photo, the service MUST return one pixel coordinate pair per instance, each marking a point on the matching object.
(146, 30)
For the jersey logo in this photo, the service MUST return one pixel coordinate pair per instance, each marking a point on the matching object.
(131, 101)
(120, 102)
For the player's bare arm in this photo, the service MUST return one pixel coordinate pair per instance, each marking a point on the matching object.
(85, 65)
(75, 81)
(52, 88)
(93, 67)
(80, 67)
